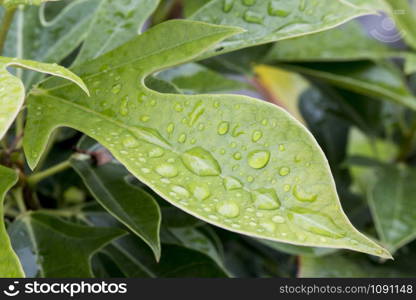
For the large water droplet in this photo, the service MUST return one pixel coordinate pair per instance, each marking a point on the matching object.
(266, 199)
(257, 135)
(275, 10)
(130, 142)
(258, 159)
(201, 162)
(232, 183)
(278, 219)
(228, 5)
(228, 209)
(253, 17)
(156, 152)
(181, 191)
(167, 170)
(302, 196)
(200, 191)
(315, 222)
(284, 171)
(223, 127)
(269, 226)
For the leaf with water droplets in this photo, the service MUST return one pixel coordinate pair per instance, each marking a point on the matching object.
(9, 263)
(44, 242)
(392, 204)
(133, 207)
(272, 20)
(278, 187)
(12, 91)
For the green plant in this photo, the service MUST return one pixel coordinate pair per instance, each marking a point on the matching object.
(132, 159)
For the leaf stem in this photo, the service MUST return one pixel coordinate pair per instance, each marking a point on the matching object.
(7, 21)
(18, 196)
(37, 177)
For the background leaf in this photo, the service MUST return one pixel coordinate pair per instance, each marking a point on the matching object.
(132, 206)
(50, 247)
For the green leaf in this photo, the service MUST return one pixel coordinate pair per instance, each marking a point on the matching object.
(392, 205)
(233, 161)
(9, 262)
(12, 91)
(133, 207)
(191, 6)
(353, 266)
(345, 43)
(177, 261)
(196, 79)
(50, 247)
(381, 80)
(114, 23)
(194, 239)
(270, 21)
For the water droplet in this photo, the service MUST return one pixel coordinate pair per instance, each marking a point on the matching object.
(167, 170)
(258, 159)
(181, 191)
(275, 10)
(228, 209)
(278, 219)
(232, 183)
(228, 5)
(269, 226)
(153, 102)
(249, 2)
(286, 187)
(315, 222)
(201, 126)
(253, 17)
(282, 148)
(236, 132)
(116, 88)
(182, 138)
(124, 110)
(257, 135)
(130, 142)
(144, 118)
(156, 152)
(237, 156)
(284, 171)
(200, 162)
(302, 196)
(170, 128)
(265, 199)
(223, 127)
(250, 178)
(200, 191)
(196, 113)
(178, 107)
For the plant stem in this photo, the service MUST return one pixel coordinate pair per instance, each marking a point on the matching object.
(37, 177)
(7, 21)
(18, 196)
